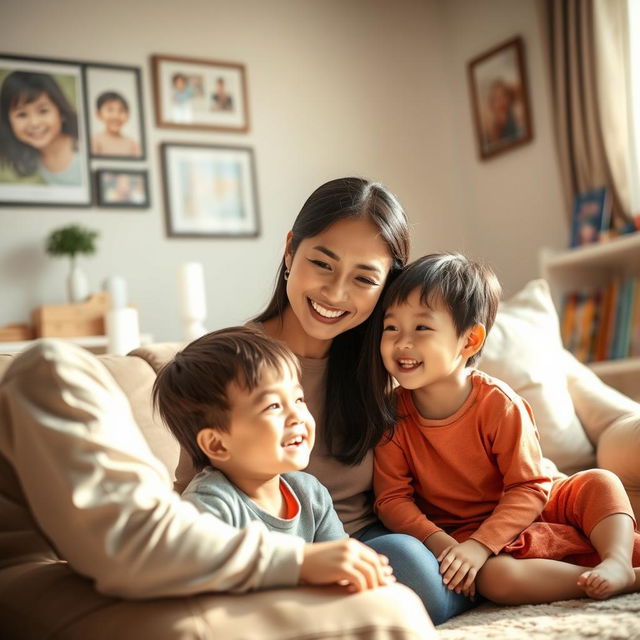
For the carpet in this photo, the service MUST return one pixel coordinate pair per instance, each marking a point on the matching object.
(614, 619)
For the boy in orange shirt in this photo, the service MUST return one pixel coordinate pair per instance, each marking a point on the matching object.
(462, 468)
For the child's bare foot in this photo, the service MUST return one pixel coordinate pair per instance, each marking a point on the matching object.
(607, 579)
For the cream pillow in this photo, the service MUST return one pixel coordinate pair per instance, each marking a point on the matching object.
(525, 350)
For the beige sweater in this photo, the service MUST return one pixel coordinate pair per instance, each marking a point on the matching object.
(349, 486)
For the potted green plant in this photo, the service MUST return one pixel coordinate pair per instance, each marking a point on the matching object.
(71, 241)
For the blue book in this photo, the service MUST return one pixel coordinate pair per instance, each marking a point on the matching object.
(591, 216)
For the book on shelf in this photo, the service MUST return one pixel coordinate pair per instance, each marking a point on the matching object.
(591, 216)
(603, 323)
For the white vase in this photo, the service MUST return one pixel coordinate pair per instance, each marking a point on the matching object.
(77, 285)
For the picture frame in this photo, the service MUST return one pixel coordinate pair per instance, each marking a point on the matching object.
(47, 165)
(122, 188)
(192, 93)
(115, 112)
(499, 94)
(210, 191)
(591, 216)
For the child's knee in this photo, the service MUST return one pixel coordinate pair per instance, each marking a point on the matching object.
(500, 578)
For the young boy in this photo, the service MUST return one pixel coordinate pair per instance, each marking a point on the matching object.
(113, 110)
(233, 400)
(463, 470)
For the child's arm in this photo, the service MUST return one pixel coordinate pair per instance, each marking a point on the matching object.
(526, 486)
(395, 503)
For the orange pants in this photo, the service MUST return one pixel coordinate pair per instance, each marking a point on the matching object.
(576, 505)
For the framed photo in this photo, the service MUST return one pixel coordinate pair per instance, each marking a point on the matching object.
(122, 188)
(591, 216)
(210, 191)
(200, 94)
(43, 142)
(115, 113)
(500, 99)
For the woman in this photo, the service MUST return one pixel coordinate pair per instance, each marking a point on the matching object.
(350, 239)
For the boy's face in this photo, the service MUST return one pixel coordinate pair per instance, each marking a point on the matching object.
(271, 430)
(419, 344)
(114, 115)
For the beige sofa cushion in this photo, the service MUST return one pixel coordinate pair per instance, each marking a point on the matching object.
(135, 377)
(525, 350)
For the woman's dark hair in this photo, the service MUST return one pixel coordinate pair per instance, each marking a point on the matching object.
(353, 420)
(24, 87)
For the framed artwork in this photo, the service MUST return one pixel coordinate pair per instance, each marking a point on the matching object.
(210, 191)
(500, 99)
(44, 157)
(591, 216)
(200, 94)
(122, 188)
(115, 113)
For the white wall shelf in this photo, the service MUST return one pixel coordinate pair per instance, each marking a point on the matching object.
(593, 266)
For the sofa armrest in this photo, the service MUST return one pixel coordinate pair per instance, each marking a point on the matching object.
(612, 422)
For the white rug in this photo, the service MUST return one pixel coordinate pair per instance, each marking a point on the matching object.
(615, 619)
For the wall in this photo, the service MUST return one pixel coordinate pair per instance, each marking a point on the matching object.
(511, 204)
(335, 88)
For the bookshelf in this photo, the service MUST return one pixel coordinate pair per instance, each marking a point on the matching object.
(595, 266)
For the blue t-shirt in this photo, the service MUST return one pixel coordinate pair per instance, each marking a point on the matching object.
(316, 521)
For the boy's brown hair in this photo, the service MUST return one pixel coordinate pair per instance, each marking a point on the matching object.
(190, 391)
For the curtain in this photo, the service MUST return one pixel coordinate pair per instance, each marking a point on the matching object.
(587, 75)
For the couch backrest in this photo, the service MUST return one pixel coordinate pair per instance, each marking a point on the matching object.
(135, 374)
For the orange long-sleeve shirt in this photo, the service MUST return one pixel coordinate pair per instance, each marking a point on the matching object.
(481, 468)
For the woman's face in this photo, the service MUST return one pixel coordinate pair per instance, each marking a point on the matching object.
(37, 123)
(337, 276)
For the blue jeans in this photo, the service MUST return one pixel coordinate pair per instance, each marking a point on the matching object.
(416, 567)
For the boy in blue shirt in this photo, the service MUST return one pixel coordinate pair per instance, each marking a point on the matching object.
(233, 400)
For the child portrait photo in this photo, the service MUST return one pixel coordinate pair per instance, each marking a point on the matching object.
(43, 143)
(114, 105)
(499, 99)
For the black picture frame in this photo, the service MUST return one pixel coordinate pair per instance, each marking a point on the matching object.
(26, 179)
(116, 80)
(210, 191)
(113, 190)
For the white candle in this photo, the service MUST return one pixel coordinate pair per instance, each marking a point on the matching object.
(123, 330)
(193, 302)
(116, 286)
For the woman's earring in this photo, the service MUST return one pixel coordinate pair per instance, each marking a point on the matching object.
(286, 274)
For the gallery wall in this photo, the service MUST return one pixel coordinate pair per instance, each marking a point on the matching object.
(334, 88)
(365, 87)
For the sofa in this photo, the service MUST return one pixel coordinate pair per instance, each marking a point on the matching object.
(581, 421)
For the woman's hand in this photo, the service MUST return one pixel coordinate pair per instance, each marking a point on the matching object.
(460, 563)
(346, 562)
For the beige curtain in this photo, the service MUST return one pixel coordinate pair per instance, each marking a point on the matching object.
(589, 151)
